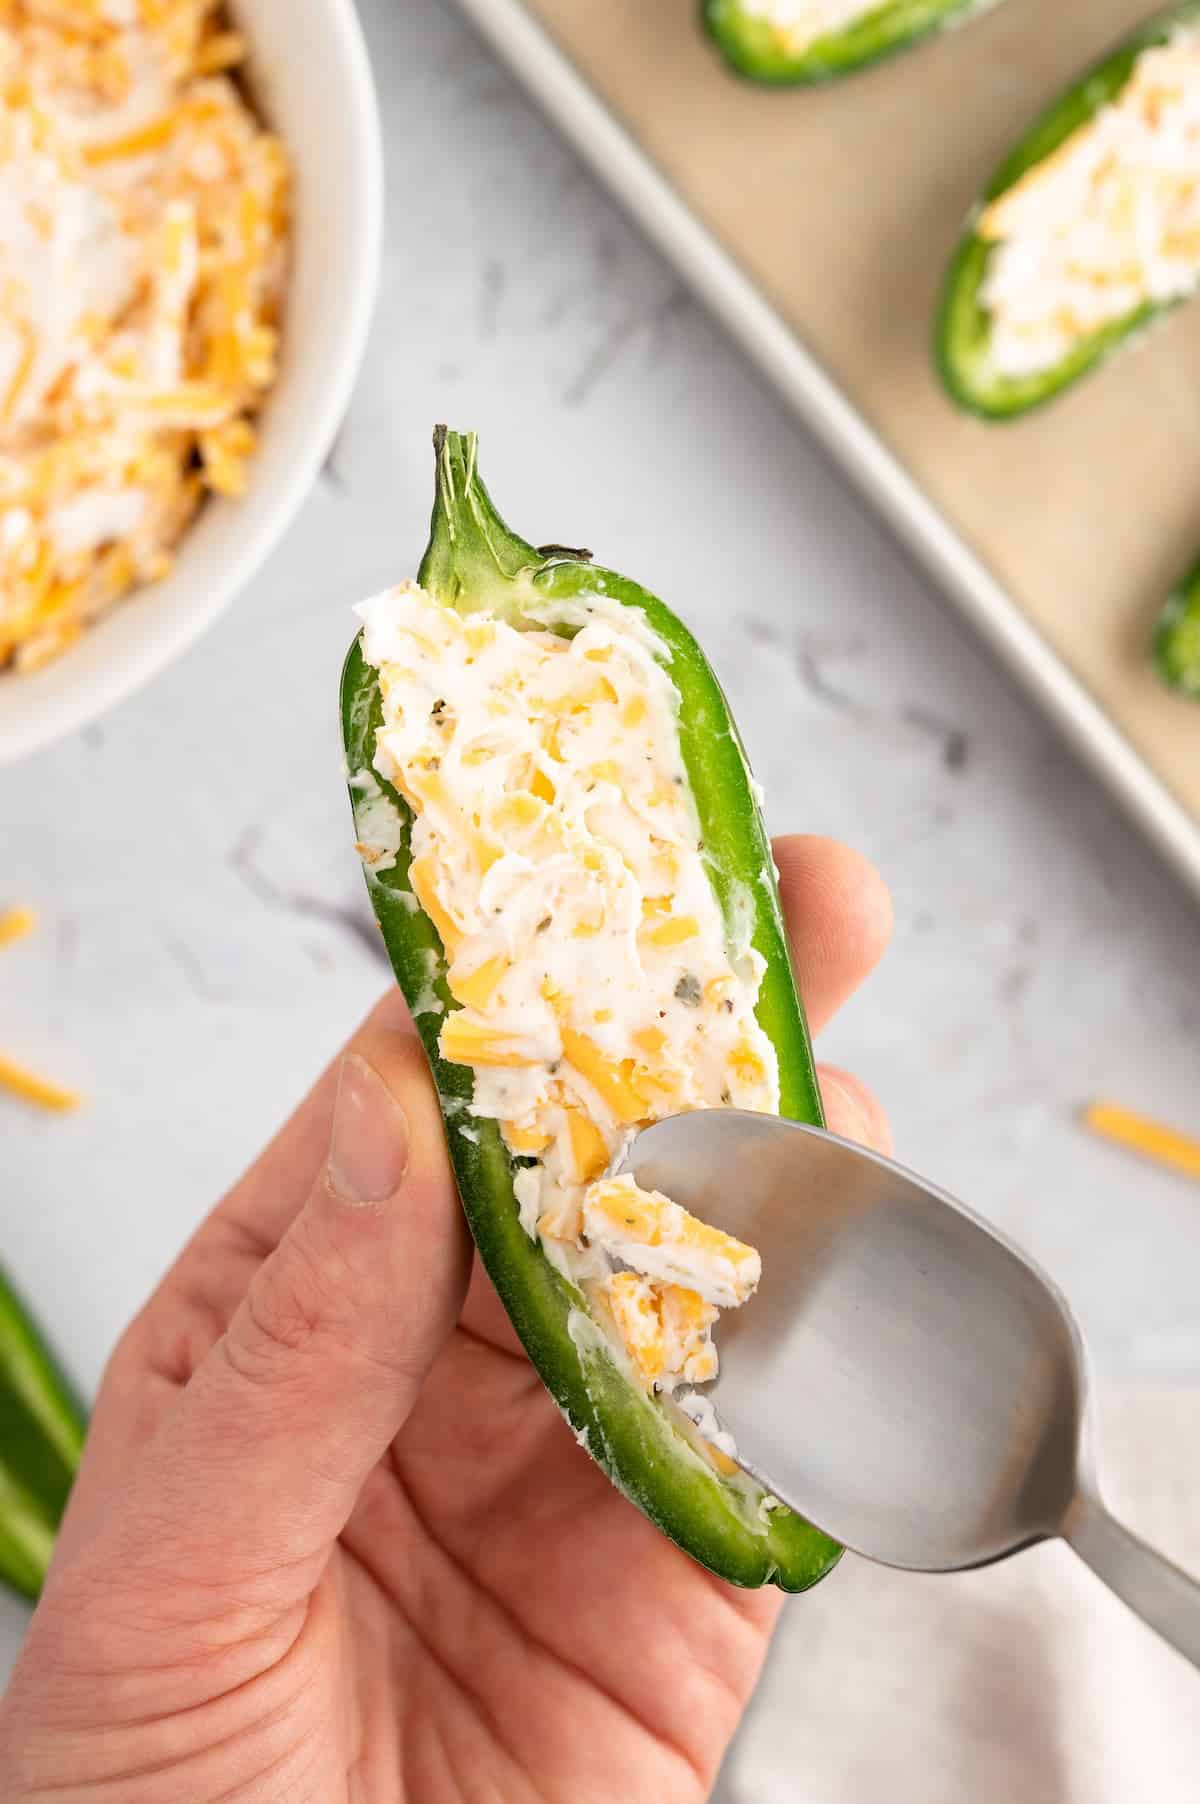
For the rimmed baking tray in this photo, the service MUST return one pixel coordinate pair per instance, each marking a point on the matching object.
(815, 224)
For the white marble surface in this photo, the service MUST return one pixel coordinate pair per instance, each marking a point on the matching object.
(203, 944)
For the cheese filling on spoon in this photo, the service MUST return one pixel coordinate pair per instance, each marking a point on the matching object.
(556, 848)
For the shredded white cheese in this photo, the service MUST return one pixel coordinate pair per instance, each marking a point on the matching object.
(143, 232)
(799, 23)
(803, 22)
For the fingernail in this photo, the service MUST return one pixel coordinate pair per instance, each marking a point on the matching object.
(368, 1148)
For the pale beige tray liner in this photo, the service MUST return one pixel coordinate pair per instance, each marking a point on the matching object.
(843, 204)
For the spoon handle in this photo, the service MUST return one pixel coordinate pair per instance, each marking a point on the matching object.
(1162, 1594)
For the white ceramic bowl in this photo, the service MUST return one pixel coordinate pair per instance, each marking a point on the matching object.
(313, 83)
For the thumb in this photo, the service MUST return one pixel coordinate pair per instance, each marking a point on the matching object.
(282, 1423)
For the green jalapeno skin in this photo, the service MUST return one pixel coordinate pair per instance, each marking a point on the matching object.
(752, 47)
(962, 330)
(1175, 647)
(475, 562)
(41, 1438)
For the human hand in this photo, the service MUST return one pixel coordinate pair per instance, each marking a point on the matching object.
(331, 1539)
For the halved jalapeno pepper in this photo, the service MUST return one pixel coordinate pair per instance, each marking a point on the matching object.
(1175, 649)
(963, 332)
(644, 1444)
(777, 51)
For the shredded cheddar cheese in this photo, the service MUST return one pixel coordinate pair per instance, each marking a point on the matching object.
(143, 244)
(647, 1231)
(15, 924)
(1153, 1140)
(27, 1086)
(556, 850)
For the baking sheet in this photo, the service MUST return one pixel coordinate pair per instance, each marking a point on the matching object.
(817, 223)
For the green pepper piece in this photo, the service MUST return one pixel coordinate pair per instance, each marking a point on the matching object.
(41, 1438)
(1175, 648)
(962, 331)
(645, 1446)
(755, 48)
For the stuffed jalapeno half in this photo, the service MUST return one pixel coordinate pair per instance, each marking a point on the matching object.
(1175, 649)
(563, 849)
(1088, 230)
(794, 42)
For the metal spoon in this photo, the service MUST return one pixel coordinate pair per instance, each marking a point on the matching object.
(903, 1377)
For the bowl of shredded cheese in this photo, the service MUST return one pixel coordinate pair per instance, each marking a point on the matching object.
(190, 221)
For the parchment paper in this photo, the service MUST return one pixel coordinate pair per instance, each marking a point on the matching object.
(843, 205)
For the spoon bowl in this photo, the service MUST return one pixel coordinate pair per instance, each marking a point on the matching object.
(903, 1377)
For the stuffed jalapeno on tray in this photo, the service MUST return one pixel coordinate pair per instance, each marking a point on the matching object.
(1087, 231)
(564, 851)
(792, 42)
(1175, 648)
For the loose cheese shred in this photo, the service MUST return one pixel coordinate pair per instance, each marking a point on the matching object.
(143, 246)
(1153, 1140)
(15, 924)
(29, 1087)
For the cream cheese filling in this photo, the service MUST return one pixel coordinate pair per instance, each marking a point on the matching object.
(1106, 224)
(799, 23)
(556, 846)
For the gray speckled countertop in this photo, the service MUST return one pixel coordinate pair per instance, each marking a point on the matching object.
(205, 940)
